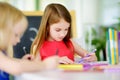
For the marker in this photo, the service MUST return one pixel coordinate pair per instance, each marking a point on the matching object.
(82, 59)
(94, 50)
(57, 51)
(24, 49)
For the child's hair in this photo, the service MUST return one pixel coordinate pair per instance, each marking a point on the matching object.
(52, 14)
(9, 16)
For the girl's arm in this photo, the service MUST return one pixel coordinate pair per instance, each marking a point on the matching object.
(50, 62)
(38, 57)
(82, 52)
(78, 50)
(18, 66)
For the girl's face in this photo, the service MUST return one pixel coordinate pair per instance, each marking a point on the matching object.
(58, 31)
(18, 30)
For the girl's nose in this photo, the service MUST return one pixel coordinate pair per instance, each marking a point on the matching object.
(62, 34)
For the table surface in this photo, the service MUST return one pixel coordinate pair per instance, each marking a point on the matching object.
(69, 75)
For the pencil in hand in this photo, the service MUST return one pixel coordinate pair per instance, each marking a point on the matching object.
(25, 51)
(57, 51)
(82, 59)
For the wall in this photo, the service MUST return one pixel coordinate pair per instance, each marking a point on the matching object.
(86, 12)
(110, 11)
(89, 13)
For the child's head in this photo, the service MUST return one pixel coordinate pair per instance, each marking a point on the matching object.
(58, 31)
(54, 14)
(13, 23)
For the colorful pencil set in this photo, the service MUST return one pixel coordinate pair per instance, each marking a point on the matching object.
(113, 45)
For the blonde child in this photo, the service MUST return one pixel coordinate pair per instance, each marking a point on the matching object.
(54, 36)
(12, 26)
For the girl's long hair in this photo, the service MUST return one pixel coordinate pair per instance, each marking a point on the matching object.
(52, 14)
(9, 16)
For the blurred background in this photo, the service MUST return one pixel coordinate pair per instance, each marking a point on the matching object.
(92, 19)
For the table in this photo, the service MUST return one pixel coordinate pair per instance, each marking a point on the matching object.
(69, 75)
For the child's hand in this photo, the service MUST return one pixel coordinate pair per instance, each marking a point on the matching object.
(65, 60)
(92, 57)
(28, 57)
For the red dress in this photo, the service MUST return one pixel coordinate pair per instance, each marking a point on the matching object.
(49, 49)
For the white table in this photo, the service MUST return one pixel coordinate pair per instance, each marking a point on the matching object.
(61, 75)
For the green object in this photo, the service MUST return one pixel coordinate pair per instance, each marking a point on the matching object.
(98, 40)
(37, 2)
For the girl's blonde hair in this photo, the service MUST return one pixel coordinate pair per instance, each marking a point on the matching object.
(52, 14)
(9, 16)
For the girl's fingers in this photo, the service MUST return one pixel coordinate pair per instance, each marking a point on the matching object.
(65, 60)
(28, 57)
(91, 58)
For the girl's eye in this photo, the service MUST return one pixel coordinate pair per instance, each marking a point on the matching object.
(57, 30)
(66, 29)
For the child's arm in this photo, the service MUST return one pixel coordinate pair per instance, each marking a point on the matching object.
(37, 56)
(16, 66)
(78, 50)
(83, 53)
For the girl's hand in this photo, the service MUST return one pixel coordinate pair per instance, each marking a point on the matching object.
(91, 58)
(28, 57)
(65, 60)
